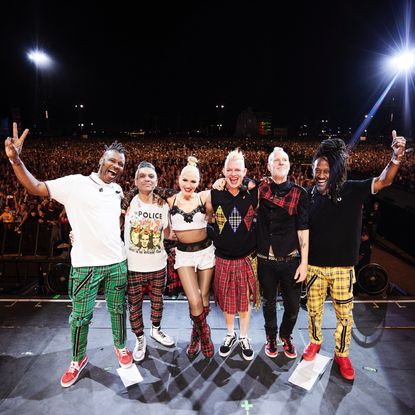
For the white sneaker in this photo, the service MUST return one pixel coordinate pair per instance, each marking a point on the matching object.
(140, 348)
(161, 337)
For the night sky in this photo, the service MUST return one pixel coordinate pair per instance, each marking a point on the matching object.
(174, 61)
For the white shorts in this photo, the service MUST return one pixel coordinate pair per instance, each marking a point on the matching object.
(203, 259)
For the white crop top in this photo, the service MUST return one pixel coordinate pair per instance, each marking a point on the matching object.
(184, 221)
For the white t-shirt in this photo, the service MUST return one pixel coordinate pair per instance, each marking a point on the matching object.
(93, 208)
(143, 235)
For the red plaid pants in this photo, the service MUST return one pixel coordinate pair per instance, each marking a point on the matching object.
(138, 284)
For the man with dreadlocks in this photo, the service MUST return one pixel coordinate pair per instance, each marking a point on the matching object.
(93, 206)
(335, 220)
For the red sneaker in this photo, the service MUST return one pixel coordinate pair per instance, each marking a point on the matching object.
(72, 373)
(289, 348)
(345, 367)
(310, 351)
(271, 349)
(125, 357)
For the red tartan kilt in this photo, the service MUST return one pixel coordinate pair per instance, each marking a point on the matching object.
(231, 282)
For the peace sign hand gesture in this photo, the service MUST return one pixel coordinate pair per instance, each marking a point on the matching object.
(13, 145)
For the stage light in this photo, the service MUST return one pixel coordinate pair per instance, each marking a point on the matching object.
(39, 58)
(403, 62)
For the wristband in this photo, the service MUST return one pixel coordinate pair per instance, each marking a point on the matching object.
(396, 161)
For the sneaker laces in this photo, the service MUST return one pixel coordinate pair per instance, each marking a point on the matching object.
(288, 343)
(73, 367)
(272, 342)
(245, 343)
(123, 352)
(161, 333)
(140, 342)
(228, 339)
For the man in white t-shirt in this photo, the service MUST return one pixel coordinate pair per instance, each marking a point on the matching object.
(146, 222)
(93, 207)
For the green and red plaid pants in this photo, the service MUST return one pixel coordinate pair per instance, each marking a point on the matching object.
(84, 283)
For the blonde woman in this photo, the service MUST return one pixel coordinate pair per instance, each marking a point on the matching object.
(195, 258)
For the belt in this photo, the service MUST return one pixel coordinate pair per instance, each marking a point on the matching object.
(287, 258)
(194, 246)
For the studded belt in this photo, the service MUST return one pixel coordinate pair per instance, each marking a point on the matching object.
(287, 258)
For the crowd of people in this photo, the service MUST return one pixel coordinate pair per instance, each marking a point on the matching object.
(62, 157)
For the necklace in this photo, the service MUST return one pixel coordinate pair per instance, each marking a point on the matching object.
(102, 185)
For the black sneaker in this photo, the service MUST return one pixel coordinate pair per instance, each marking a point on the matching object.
(271, 349)
(227, 344)
(289, 348)
(247, 352)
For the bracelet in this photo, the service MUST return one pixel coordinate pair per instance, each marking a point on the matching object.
(395, 161)
(15, 163)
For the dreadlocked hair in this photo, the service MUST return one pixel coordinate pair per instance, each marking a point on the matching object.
(116, 146)
(334, 151)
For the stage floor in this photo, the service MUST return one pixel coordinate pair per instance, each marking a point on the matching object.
(35, 350)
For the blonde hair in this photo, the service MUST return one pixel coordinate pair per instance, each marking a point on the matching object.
(191, 166)
(276, 150)
(235, 155)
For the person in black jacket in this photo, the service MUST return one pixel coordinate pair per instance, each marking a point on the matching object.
(335, 219)
(282, 235)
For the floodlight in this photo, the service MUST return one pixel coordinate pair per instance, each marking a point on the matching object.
(39, 58)
(403, 62)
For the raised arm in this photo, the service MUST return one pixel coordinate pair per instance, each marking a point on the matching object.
(13, 146)
(385, 179)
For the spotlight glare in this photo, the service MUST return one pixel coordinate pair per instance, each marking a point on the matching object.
(39, 58)
(403, 62)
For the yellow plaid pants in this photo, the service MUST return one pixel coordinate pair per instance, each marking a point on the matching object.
(340, 280)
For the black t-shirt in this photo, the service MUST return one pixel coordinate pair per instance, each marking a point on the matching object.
(52, 215)
(365, 251)
(275, 225)
(234, 223)
(33, 216)
(335, 227)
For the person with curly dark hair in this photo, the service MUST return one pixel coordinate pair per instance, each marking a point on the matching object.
(335, 220)
(93, 206)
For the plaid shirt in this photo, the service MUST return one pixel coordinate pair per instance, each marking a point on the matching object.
(283, 210)
(289, 202)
